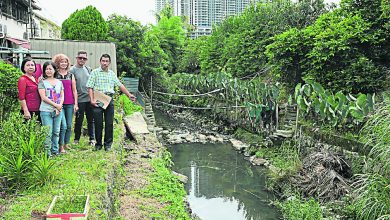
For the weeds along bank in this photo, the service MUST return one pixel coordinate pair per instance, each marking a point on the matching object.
(29, 180)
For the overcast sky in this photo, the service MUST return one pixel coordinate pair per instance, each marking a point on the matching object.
(139, 10)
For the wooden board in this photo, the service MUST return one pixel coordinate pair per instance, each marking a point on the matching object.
(102, 98)
(136, 124)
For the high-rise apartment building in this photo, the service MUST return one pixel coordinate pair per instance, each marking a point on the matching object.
(203, 14)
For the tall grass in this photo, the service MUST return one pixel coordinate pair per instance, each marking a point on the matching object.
(372, 189)
(23, 162)
(376, 134)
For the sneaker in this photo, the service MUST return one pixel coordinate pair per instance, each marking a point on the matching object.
(75, 142)
(98, 147)
(92, 142)
(107, 148)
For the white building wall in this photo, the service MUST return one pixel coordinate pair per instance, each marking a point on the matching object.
(13, 28)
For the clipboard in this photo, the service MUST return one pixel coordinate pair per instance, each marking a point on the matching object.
(102, 99)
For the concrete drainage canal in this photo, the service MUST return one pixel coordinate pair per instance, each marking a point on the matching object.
(221, 183)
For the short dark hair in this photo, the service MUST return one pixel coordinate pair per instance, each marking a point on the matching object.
(24, 64)
(45, 65)
(105, 56)
(82, 52)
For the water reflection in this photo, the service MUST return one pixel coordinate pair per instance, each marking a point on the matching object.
(222, 185)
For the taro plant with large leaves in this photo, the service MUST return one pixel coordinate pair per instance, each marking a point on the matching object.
(252, 99)
(337, 109)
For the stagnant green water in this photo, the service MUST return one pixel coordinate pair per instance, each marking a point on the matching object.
(221, 184)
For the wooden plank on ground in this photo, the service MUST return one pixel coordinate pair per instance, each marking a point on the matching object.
(136, 124)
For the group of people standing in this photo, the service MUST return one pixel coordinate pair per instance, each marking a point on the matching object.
(57, 91)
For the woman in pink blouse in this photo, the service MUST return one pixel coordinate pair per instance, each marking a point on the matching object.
(70, 105)
(28, 90)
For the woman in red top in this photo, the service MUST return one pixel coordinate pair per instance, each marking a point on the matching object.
(28, 90)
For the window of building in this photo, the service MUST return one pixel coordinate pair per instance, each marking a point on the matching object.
(15, 10)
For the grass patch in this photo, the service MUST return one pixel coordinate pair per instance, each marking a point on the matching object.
(297, 209)
(70, 204)
(248, 137)
(285, 159)
(166, 188)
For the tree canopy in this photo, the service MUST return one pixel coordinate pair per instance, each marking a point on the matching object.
(128, 35)
(86, 24)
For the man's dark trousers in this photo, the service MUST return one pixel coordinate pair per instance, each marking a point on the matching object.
(84, 107)
(108, 115)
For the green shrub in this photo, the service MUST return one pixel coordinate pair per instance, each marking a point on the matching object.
(128, 106)
(346, 49)
(9, 76)
(295, 208)
(85, 24)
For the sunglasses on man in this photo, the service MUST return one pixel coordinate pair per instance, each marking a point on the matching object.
(82, 58)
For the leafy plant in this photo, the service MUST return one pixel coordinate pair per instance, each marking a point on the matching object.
(15, 171)
(22, 154)
(251, 100)
(336, 109)
(42, 170)
(128, 106)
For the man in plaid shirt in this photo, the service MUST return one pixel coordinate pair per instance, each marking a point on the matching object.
(104, 80)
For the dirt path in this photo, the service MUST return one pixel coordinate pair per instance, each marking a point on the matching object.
(137, 157)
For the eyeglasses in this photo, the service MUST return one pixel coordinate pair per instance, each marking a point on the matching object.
(82, 58)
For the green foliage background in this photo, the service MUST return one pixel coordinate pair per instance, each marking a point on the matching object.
(237, 45)
(128, 35)
(346, 49)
